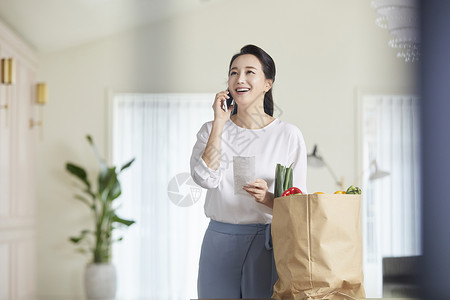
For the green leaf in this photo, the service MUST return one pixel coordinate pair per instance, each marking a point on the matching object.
(123, 221)
(112, 190)
(103, 165)
(78, 172)
(75, 240)
(84, 200)
(115, 192)
(78, 239)
(126, 165)
(106, 179)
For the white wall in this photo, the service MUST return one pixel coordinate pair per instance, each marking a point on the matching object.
(324, 51)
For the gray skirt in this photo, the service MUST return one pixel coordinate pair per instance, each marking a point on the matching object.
(236, 261)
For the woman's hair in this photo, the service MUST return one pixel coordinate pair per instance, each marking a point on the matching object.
(268, 66)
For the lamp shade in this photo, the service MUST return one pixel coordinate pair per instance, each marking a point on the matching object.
(314, 160)
(375, 173)
(5, 71)
(42, 93)
(379, 174)
(11, 71)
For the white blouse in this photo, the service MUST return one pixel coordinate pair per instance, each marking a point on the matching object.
(277, 143)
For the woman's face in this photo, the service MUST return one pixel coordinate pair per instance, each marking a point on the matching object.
(247, 82)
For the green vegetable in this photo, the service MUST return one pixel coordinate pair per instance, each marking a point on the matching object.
(288, 180)
(353, 190)
(283, 179)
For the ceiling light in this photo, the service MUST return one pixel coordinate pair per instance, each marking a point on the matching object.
(401, 18)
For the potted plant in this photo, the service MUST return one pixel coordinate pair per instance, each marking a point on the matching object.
(100, 276)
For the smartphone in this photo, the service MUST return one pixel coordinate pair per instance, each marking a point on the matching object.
(229, 101)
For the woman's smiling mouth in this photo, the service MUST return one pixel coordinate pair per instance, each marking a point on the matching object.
(242, 90)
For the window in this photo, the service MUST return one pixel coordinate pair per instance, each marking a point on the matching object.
(391, 205)
(158, 258)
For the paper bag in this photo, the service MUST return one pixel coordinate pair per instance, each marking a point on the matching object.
(317, 247)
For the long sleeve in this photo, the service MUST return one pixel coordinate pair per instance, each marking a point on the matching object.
(278, 142)
(200, 172)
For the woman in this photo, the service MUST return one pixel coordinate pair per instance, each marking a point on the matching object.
(236, 259)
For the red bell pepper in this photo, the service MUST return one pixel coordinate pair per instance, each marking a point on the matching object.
(292, 191)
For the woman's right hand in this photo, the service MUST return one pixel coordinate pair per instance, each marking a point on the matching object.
(219, 102)
(213, 153)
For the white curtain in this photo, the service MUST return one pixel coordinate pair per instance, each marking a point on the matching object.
(391, 204)
(158, 257)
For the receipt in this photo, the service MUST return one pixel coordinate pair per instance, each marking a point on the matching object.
(244, 172)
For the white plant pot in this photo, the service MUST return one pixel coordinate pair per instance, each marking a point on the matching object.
(100, 281)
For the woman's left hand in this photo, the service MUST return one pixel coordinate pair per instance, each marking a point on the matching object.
(259, 190)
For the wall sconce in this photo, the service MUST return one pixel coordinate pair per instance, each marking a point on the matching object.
(8, 71)
(41, 99)
(316, 161)
(376, 173)
(7, 78)
(5, 68)
(42, 93)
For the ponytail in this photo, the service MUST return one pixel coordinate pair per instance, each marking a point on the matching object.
(268, 103)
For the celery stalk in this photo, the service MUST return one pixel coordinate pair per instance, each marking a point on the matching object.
(283, 179)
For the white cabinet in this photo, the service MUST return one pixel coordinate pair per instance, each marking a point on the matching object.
(17, 172)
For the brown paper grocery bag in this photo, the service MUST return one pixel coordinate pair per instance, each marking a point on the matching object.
(317, 246)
